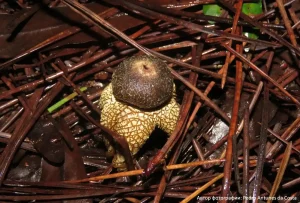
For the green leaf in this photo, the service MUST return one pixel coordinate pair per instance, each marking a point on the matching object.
(250, 35)
(212, 10)
(252, 9)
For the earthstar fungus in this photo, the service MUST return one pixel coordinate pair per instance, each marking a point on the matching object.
(140, 97)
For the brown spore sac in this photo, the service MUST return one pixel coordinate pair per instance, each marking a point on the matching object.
(144, 82)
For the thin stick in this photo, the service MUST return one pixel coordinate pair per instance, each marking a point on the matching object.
(232, 127)
(281, 171)
(246, 142)
(287, 23)
(282, 140)
(141, 171)
(201, 189)
(234, 26)
(167, 168)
